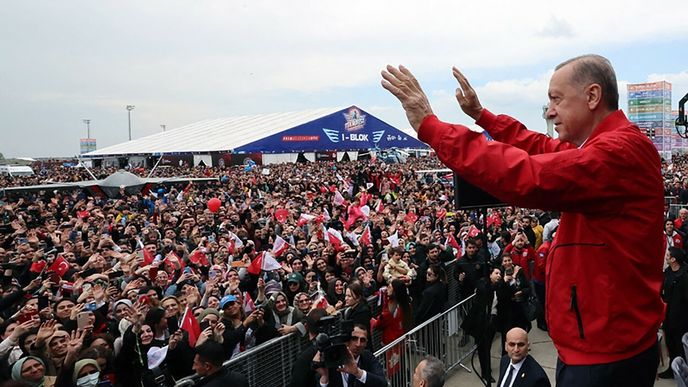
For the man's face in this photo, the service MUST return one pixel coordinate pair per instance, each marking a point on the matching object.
(517, 345)
(669, 227)
(417, 378)
(471, 249)
(201, 367)
(433, 253)
(358, 342)
(64, 309)
(495, 276)
(568, 106)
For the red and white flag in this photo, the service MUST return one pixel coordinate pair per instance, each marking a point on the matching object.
(191, 326)
(378, 206)
(326, 214)
(451, 241)
(265, 261)
(280, 246)
(365, 238)
(304, 219)
(338, 199)
(199, 258)
(394, 239)
(335, 238)
(60, 266)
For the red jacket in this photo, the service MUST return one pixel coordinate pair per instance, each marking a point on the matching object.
(522, 257)
(604, 270)
(541, 261)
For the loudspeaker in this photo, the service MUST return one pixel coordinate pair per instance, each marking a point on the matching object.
(468, 196)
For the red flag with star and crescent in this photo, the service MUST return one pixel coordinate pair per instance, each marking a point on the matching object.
(60, 266)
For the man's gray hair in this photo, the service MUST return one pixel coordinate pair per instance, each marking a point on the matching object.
(591, 68)
(433, 372)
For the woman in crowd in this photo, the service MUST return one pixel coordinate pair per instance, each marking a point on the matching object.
(434, 294)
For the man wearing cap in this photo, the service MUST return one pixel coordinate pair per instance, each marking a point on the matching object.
(235, 327)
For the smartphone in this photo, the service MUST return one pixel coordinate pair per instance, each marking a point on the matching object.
(205, 324)
(115, 274)
(82, 320)
(91, 306)
(43, 302)
(187, 270)
(24, 317)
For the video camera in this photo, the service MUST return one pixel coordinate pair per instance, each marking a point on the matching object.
(333, 350)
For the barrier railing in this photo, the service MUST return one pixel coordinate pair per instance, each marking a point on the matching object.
(441, 336)
(270, 364)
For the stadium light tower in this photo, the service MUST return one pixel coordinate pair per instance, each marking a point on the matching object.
(129, 109)
(550, 123)
(88, 127)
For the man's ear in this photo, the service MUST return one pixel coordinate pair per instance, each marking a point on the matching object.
(593, 94)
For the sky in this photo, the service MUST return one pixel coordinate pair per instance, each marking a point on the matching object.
(181, 61)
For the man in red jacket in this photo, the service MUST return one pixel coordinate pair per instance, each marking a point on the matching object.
(604, 270)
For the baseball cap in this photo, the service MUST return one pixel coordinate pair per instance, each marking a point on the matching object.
(227, 299)
(294, 277)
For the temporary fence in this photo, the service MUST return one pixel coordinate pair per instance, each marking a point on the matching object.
(270, 364)
(441, 337)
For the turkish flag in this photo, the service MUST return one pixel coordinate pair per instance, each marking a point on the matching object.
(147, 257)
(441, 213)
(191, 326)
(281, 215)
(38, 266)
(83, 214)
(264, 262)
(199, 258)
(280, 246)
(60, 266)
(365, 239)
(411, 217)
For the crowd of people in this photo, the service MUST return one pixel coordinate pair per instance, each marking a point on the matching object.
(149, 288)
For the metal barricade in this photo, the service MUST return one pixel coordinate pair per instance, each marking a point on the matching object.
(267, 365)
(441, 336)
(270, 363)
(673, 210)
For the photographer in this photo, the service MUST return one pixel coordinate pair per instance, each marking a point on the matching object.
(302, 373)
(360, 368)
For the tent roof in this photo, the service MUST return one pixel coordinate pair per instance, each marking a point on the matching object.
(238, 134)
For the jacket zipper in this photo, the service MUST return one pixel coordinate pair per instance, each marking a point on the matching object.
(574, 307)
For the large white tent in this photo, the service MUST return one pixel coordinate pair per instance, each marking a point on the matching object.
(279, 137)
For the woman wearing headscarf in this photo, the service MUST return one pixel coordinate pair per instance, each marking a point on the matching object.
(31, 370)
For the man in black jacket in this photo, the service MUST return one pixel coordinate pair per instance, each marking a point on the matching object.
(208, 364)
(675, 294)
(482, 320)
(302, 374)
(361, 369)
(517, 367)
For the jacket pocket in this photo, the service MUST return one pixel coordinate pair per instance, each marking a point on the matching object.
(576, 310)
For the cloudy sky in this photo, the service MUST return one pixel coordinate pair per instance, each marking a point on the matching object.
(180, 61)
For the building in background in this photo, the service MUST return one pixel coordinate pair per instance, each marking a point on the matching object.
(649, 107)
(87, 145)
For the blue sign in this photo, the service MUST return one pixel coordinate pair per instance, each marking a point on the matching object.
(347, 129)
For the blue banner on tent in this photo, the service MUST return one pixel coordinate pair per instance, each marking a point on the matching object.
(347, 129)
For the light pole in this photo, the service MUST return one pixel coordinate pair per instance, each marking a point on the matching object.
(550, 123)
(88, 127)
(163, 126)
(129, 109)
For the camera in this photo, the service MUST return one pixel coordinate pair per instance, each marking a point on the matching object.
(333, 350)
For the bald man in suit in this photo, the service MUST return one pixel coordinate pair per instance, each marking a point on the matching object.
(518, 368)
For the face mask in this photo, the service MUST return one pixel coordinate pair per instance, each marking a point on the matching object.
(88, 380)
